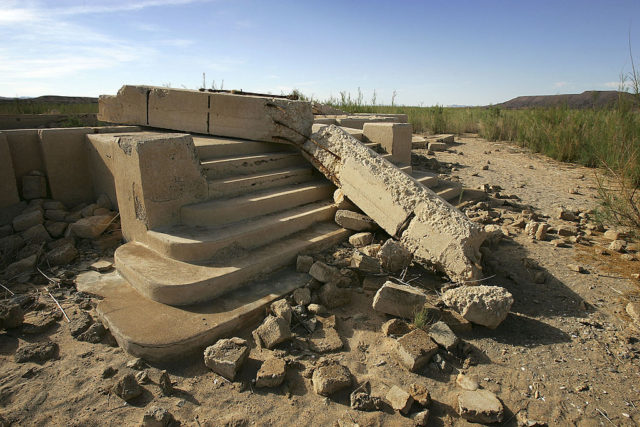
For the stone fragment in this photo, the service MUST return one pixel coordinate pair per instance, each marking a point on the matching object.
(399, 300)
(90, 227)
(80, 322)
(420, 394)
(371, 250)
(304, 263)
(94, 333)
(443, 335)
(455, 321)
(467, 382)
(395, 327)
(102, 211)
(127, 388)
(36, 235)
(55, 215)
(617, 245)
(354, 221)
(272, 332)
(271, 373)
(38, 352)
(89, 210)
(332, 296)
(480, 406)
(365, 263)
(281, 308)
(56, 229)
(612, 234)
(421, 418)
(323, 272)
(157, 417)
(316, 309)
(361, 399)
(633, 310)
(109, 372)
(394, 256)
(484, 305)
(563, 213)
(53, 205)
(567, 230)
(165, 384)
(62, 254)
(103, 201)
(22, 267)
(11, 244)
(361, 239)
(415, 349)
(325, 338)
(27, 220)
(399, 399)
(302, 296)
(102, 266)
(34, 186)
(11, 315)
(226, 356)
(577, 268)
(330, 377)
(143, 377)
(541, 231)
(342, 202)
(137, 364)
(38, 323)
(437, 146)
(373, 283)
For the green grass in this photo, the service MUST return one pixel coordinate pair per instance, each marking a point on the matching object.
(26, 107)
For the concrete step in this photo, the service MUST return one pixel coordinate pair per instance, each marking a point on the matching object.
(250, 164)
(375, 146)
(161, 333)
(235, 185)
(178, 283)
(406, 169)
(186, 243)
(450, 191)
(211, 147)
(428, 179)
(225, 211)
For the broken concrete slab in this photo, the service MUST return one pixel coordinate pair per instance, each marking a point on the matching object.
(330, 377)
(226, 356)
(399, 300)
(365, 263)
(325, 339)
(271, 373)
(484, 305)
(433, 230)
(361, 239)
(393, 256)
(354, 221)
(399, 399)
(272, 332)
(443, 335)
(480, 406)
(415, 349)
(322, 272)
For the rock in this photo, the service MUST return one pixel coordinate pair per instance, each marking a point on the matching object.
(399, 300)
(480, 406)
(281, 308)
(373, 283)
(165, 384)
(567, 230)
(342, 202)
(36, 234)
(102, 266)
(22, 267)
(562, 213)
(633, 310)
(94, 334)
(103, 201)
(577, 268)
(304, 263)
(399, 399)
(157, 417)
(143, 377)
(102, 211)
(326, 338)
(56, 229)
(62, 255)
(34, 186)
(371, 250)
(11, 316)
(455, 321)
(226, 356)
(127, 388)
(332, 296)
(421, 418)
(80, 322)
(415, 349)
(484, 305)
(361, 239)
(55, 215)
(90, 227)
(136, 364)
(420, 394)
(37, 323)
(467, 382)
(28, 250)
(88, 211)
(27, 220)
(395, 327)
(53, 205)
(609, 234)
(330, 377)
(38, 352)
(316, 309)
(617, 245)
(443, 335)
(354, 221)
(271, 373)
(323, 272)
(394, 256)
(361, 399)
(109, 372)
(272, 332)
(302, 296)
(541, 232)
(365, 263)
(6, 230)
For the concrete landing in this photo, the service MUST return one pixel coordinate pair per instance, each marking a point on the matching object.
(158, 332)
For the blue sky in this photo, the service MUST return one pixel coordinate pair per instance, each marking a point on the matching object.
(472, 52)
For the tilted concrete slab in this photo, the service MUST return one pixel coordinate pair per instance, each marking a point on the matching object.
(240, 116)
(435, 231)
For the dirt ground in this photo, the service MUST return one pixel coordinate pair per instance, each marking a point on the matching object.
(567, 354)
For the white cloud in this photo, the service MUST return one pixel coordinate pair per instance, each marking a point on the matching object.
(612, 85)
(560, 84)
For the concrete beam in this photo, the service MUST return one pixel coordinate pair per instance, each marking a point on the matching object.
(433, 230)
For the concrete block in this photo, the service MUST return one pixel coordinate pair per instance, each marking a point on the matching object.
(272, 332)
(361, 239)
(226, 356)
(323, 272)
(395, 138)
(365, 263)
(8, 186)
(271, 373)
(330, 378)
(484, 305)
(394, 256)
(399, 300)
(399, 399)
(437, 146)
(415, 349)
(354, 221)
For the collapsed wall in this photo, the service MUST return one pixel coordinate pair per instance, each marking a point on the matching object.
(431, 228)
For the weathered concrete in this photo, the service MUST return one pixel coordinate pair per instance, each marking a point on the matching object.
(484, 305)
(395, 138)
(26, 154)
(436, 232)
(239, 116)
(399, 300)
(8, 186)
(480, 406)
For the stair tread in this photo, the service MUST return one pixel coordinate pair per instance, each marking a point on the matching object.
(241, 178)
(217, 160)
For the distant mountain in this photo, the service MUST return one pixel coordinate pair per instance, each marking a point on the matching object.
(51, 99)
(587, 99)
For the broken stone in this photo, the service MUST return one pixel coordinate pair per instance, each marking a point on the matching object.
(361, 239)
(567, 230)
(281, 308)
(316, 309)
(399, 300)
(480, 406)
(617, 245)
(89, 210)
(421, 418)
(27, 220)
(633, 310)
(330, 377)
(541, 232)
(304, 263)
(143, 377)
(415, 349)
(302, 296)
(226, 356)
(38, 352)
(612, 235)
(567, 215)
(467, 382)
(332, 296)
(271, 373)
(127, 388)
(443, 335)
(394, 256)
(326, 338)
(420, 394)
(56, 229)
(102, 266)
(577, 268)
(22, 267)
(62, 254)
(90, 227)
(55, 215)
(137, 364)
(323, 272)
(36, 234)
(455, 321)
(11, 316)
(109, 372)
(437, 146)
(272, 332)
(53, 205)
(365, 263)
(395, 327)
(354, 221)
(157, 417)
(484, 305)
(94, 334)
(80, 322)
(166, 387)
(361, 399)
(371, 250)
(399, 399)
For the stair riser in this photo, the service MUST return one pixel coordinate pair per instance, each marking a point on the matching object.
(429, 181)
(219, 189)
(208, 152)
(226, 213)
(236, 167)
(198, 251)
(450, 194)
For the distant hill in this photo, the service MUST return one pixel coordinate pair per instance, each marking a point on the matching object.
(586, 99)
(51, 99)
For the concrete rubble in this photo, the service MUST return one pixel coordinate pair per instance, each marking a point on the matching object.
(271, 373)
(226, 356)
(480, 406)
(330, 377)
(484, 305)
